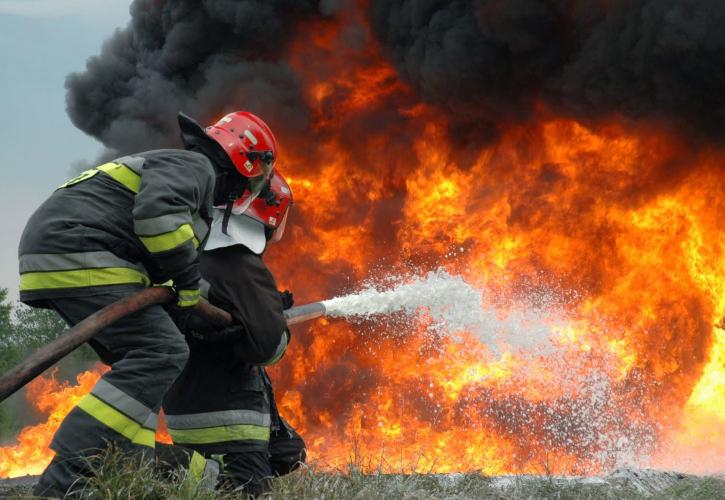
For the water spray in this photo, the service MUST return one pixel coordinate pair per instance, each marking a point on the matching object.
(450, 301)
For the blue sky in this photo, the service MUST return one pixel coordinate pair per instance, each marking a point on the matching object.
(41, 41)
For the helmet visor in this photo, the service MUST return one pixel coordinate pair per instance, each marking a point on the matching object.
(255, 187)
(279, 232)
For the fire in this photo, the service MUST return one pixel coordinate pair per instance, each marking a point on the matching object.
(612, 231)
(55, 399)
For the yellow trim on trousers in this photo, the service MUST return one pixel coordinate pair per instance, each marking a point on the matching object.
(211, 435)
(111, 417)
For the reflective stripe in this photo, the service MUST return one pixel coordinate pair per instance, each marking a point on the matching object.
(217, 418)
(160, 225)
(123, 175)
(197, 465)
(145, 437)
(81, 278)
(135, 163)
(79, 178)
(188, 298)
(124, 403)
(204, 287)
(69, 261)
(219, 434)
(201, 228)
(281, 349)
(117, 421)
(169, 241)
(211, 472)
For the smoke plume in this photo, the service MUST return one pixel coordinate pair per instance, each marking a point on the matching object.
(493, 61)
(485, 63)
(204, 58)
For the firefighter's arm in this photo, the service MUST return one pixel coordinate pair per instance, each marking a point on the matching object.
(242, 354)
(173, 189)
(246, 347)
(242, 284)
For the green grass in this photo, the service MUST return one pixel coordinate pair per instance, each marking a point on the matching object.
(117, 478)
(313, 485)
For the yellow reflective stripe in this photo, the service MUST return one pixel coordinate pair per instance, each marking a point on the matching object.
(197, 466)
(123, 175)
(145, 437)
(168, 241)
(82, 277)
(79, 178)
(111, 417)
(219, 434)
(188, 298)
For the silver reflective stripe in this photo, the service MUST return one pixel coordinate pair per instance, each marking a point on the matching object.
(161, 224)
(204, 287)
(217, 418)
(68, 261)
(152, 422)
(122, 402)
(211, 473)
(135, 163)
(281, 348)
(201, 228)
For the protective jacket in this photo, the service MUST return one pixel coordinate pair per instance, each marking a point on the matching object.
(133, 221)
(222, 401)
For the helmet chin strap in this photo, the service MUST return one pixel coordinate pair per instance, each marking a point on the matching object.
(227, 214)
(235, 192)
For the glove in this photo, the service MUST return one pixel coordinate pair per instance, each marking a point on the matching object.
(181, 316)
(288, 300)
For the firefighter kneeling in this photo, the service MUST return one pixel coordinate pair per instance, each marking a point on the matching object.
(222, 405)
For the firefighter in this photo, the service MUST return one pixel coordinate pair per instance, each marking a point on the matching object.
(222, 404)
(112, 231)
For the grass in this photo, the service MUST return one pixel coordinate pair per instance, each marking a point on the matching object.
(117, 478)
(309, 484)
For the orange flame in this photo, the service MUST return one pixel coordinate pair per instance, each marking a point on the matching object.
(55, 399)
(617, 226)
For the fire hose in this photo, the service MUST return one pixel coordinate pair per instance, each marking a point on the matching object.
(49, 354)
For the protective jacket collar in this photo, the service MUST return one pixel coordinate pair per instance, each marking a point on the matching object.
(195, 139)
(241, 230)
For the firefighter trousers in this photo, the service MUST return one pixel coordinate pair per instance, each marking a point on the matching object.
(220, 406)
(252, 471)
(146, 352)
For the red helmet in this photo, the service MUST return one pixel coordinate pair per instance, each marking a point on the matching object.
(270, 207)
(248, 142)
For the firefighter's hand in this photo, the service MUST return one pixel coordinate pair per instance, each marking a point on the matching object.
(288, 300)
(181, 316)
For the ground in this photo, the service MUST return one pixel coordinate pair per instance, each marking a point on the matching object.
(308, 484)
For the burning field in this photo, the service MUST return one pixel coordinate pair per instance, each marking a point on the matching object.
(564, 158)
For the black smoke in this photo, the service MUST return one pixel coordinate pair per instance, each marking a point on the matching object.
(492, 61)
(205, 58)
(484, 63)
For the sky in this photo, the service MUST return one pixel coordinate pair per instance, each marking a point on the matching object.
(41, 42)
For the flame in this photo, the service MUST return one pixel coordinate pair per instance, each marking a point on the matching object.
(613, 230)
(55, 399)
